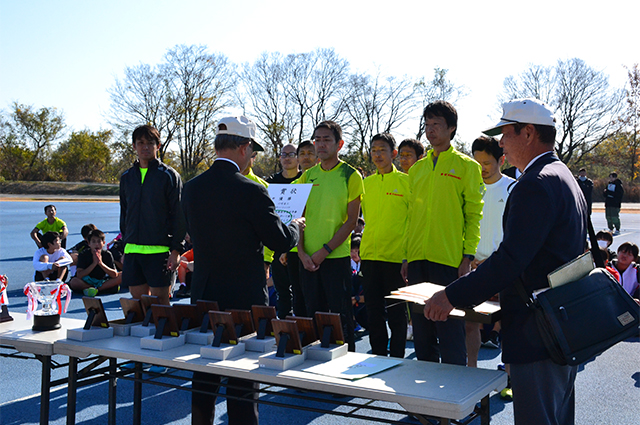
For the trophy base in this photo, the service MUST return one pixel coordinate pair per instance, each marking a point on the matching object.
(45, 323)
(4, 315)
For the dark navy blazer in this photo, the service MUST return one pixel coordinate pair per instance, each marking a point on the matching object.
(229, 217)
(545, 226)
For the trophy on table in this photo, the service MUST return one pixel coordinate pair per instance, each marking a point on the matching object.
(49, 294)
(4, 300)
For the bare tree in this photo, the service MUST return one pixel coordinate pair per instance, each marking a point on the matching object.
(536, 82)
(314, 84)
(298, 71)
(376, 105)
(439, 88)
(584, 103)
(141, 97)
(629, 119)
(181, 97)
(199, 86)
(265, 98)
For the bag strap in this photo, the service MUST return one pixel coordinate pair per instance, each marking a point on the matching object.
(527, 298)
(595, 249)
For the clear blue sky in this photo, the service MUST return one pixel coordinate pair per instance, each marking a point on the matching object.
(67, 53)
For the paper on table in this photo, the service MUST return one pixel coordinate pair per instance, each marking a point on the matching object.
(354, 366)
(289, 199)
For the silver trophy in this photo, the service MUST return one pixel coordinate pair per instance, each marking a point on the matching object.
(49, 294)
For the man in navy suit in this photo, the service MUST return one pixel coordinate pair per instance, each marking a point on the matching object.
(229, 218)
(545, 222)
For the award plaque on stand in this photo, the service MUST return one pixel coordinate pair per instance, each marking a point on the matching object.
(167, 334)
(289, 351)
(306, 329)
(243, 322)
(133, 315)
(96, 326)
(263, 341)
(332, 341)
(147, 327)
(202, 335)
(187, 316)
(225, 342)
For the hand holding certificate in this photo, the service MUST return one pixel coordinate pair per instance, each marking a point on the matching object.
(487, 312)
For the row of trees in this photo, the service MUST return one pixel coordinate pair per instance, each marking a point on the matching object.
(287, 95)
(27, 140)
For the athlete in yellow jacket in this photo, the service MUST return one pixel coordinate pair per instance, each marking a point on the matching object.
(384, 204)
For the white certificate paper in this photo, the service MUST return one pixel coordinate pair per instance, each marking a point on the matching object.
(290, 199)
(354, 366)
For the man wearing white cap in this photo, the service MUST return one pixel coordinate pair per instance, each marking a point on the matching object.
(229, 218)
(545, 222)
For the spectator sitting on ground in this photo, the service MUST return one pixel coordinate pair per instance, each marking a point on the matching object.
(96, 271)
(605, 256)
(116, 248)
(80, 246)
(50, 261)
(184, 271)
(605, 239)
(50, 224)
(625, 264)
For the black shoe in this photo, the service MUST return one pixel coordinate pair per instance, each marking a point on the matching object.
(183, 292)
(493, 341)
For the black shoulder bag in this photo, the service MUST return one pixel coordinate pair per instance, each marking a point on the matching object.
(581, 319)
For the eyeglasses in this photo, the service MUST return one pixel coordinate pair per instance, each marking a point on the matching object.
(288, 155)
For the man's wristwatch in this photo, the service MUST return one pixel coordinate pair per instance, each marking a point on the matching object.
(469, 256)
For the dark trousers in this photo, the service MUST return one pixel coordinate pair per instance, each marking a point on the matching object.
(286, 280)
(543, 393)
(379, 278)
(293, 267)
(435, 341)
(203, 406)
(282, 283)
(328, 289)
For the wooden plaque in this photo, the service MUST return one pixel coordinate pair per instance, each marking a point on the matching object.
(132, 307)
(224, 320)
(165, 320)
(147, 301)
(95, 312)
(263, 312)
(290, 328)
(332, 321)
(203, 308)
(306, 328)
(187, 316)
(244, 319)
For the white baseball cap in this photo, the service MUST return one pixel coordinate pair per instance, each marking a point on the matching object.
(240, 126)
(523, 111)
